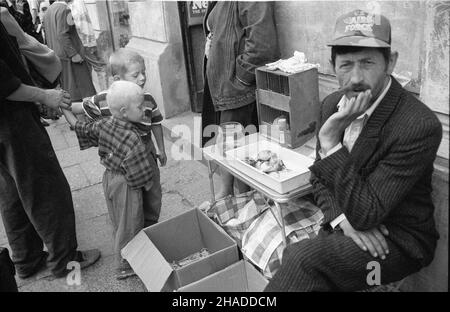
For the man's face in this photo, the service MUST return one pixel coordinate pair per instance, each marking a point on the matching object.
(135, 73)
(359, 71)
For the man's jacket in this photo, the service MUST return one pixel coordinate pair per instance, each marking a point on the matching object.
(244, 37)
(386, 178)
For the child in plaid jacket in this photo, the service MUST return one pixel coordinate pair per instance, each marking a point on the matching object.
(131, 181)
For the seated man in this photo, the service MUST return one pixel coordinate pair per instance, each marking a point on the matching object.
(372, 177)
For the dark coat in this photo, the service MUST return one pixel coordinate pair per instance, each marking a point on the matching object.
(386, 179)
(244, 38)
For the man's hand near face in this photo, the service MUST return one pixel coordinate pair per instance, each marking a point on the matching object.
(333, 129)
(372, 240)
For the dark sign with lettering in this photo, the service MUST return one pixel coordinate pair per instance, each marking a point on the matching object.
(196, 11)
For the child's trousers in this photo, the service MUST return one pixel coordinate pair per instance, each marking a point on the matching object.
(130, 209)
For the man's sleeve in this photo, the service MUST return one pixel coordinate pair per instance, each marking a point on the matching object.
(63, 29)
(8, 81)
(87, 133)
(366, 202)
(323, 198)
(137, 167)
(261, 43)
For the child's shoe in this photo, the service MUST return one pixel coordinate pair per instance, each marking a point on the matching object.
(124, 270)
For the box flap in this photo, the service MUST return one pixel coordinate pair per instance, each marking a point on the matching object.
(146, 260)
(177, 237)
(256, 282)
(238, 277)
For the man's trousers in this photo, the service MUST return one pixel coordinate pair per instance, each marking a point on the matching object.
(333, 262)
(35, 197)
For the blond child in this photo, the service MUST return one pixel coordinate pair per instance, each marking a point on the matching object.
(131, 181)
(127, 65)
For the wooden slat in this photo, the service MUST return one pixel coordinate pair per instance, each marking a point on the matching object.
(273, 99)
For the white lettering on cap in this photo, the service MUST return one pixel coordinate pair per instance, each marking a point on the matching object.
(360, 27)
(359, 22)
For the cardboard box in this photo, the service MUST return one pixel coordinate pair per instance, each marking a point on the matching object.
(239, 277)
(151, 252)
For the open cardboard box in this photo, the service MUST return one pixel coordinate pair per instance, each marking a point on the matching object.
(298, 172)
(151, 252)
(238, 277)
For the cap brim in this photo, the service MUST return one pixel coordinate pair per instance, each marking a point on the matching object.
(358, 41)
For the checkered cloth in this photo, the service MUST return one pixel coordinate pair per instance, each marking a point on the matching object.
(262, 243)
(236, 213)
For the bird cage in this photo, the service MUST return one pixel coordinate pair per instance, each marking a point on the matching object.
(288, 105)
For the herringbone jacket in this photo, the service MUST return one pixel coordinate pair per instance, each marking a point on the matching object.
(386, 179)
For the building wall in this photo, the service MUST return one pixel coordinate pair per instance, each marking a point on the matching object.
(151, 28)
(420, 33)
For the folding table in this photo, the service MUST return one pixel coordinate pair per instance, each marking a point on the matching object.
(215, 160)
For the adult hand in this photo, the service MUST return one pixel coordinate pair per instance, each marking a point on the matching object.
(208, 44)
(162, 159)
(372, 240)
(77, 58)
(56, 98)
(332, 130)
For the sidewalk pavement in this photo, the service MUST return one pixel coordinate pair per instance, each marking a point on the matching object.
(185, 185)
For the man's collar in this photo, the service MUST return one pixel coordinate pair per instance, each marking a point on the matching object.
(372, 107)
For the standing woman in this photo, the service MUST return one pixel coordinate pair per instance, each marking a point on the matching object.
(62, 37)
(241, 36)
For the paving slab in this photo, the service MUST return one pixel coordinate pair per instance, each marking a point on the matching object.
(70, 138)
(76, 177)
(97, 278)
(96, 233)
(58, 141)
(89, 202)
(93, 170)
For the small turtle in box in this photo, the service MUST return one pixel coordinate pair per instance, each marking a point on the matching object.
(266, 161)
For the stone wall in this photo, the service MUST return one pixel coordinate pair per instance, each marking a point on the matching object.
(156, 35)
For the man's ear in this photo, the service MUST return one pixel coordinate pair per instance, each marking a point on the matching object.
(392, 61)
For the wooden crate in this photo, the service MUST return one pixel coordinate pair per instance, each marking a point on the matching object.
(294, 96)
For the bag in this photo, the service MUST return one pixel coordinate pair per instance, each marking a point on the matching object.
(262, 243)
(7, 272)
(235, 214)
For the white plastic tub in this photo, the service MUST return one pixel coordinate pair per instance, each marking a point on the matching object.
(282, 182)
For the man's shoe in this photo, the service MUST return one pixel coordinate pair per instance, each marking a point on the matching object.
(88, 257)
(124, 270)
(40, 265)
(84, 258)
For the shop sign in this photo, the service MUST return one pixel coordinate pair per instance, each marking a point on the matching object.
(196, 11)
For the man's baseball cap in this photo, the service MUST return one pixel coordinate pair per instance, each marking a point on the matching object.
(362, 29)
